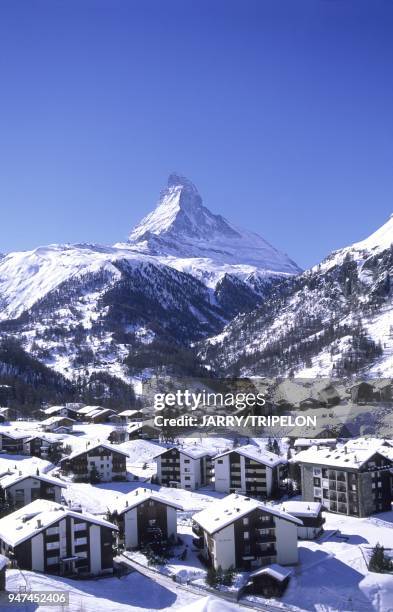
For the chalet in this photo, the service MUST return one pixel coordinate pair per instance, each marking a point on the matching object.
(356, 482)
(144, 517)
(53, 423)
(21, 488)
(47, 537)
(128, 416)
(12, 441)
(42, 445)
(97, 414)
(105, 461)
(250, 470)
(310, 513)
(142, 429)
(244, 533)
(188, 467)
(270, 581)
(362, 392)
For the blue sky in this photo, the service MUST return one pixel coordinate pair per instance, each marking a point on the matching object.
(279, 111)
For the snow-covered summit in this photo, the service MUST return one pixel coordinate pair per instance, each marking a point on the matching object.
(181, 226)
(378, 241)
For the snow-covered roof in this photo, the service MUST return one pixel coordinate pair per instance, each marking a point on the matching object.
(315, 441)
(344, 457)
(194, 451)
(221, 513)
(4, 410)
(128, 412)
(46, 437)
(276, 571)
(302, 508)
(40, 514)
(87, 409)
(56, 419)
(111, 447)
(256, 453)
(139, 496)
(15, 434)
(52, 410)
(11, 479)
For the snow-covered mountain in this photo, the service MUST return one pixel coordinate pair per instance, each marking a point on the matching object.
(120, 309)
(181, 226)
(335, 319)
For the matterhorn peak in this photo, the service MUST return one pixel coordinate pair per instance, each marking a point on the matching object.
(181, 226)
(177, 180)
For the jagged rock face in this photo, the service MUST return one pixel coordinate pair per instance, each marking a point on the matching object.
(333, 320)
(181, 226)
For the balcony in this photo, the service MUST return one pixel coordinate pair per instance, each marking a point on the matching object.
(262, 538)
(341, 488)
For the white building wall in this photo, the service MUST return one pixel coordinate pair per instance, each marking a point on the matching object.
(95, 549)
(190, 470)
(243, 484)
(159, 468)
(222, 474)
(171, 521)
(131, 528)
(106, 471)
(37, 552)
(63, 538)
(225, 548)
(286, 542)
(269, 480)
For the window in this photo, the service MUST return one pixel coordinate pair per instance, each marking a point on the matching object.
(186, 461)
(317, 471)
(245, 521)
(220, 461)
(52, 545)
(246, 535)
(187, 478)
(52, 560)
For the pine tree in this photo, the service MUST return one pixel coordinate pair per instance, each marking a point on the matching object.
(379, 562)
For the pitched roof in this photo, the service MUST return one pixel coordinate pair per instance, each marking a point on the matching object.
(344, 457)
(194, 451)
(256, 453)
(302, 508)
(221, 513)
(56, 419)
(110, 447)
(140, 495)
(276, 571)
(15, 434)
(26, 522)
(11, 479)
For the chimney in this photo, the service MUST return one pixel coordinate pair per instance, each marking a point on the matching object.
(126, 503)
(39, 524)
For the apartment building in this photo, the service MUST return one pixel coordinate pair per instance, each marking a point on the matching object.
(106, 460)
(145, 517)
(47, 537)
(250, 470)
(244, 533)
(11, 441)
(21, 489)
(40, 445)
(310, 513)
(187, 467)
(347, 480)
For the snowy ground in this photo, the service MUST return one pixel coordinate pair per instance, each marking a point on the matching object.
(129, 593)
(332, 574)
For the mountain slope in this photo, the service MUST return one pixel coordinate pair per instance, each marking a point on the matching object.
(121, 310)
(335, 319)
